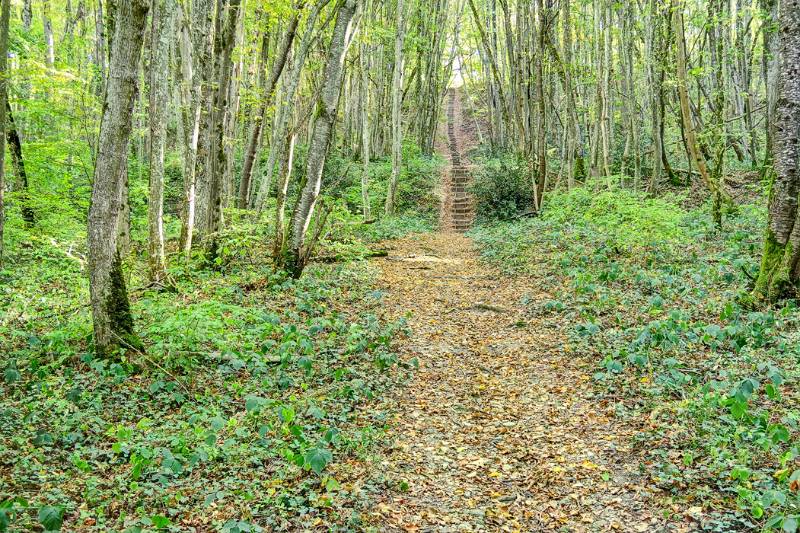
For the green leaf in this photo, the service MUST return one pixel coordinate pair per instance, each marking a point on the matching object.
(790, 524)
(160, 521)
(779, 433)
(253, 404)
(287, 414)
(51, 517)
(318, 458)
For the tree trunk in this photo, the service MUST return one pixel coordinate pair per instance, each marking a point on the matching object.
(5, 15)
(18, 164)
(99, 50)
(27, 14)
(686, 115)
(295, 259)
(397, 125)
(283, 188)
(291, 82)
(203, 30)
(780, 261)
(268, 97)
(48, 34)
(161, 33)
(364, 110)
(113, 322)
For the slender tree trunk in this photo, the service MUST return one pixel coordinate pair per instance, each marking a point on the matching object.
(686, 115)
(113, 322)
(283, 188)
(364, 109)
(99, 50)
(18, 164)
(296, 257)
(48, 34)
(290, 84)
(397, 125)
(268, 98)
(27, 14)
(780, 261)
(161, 33)
(5, 15)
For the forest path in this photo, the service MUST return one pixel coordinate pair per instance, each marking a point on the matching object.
(500, 428)
(458, 207)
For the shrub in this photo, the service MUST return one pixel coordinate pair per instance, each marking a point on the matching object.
(501, 188)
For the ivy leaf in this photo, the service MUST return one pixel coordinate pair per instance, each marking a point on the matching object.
(51, 517)
(160, 522)
(318, 459)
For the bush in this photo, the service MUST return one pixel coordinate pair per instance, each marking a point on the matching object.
(626, 220)
(501, 188)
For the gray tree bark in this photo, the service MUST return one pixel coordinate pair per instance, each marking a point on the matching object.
(780, 263)
(397, 124)
(27, 14)
(50, 58)
(296, 256)
(288, 90)
(113, 322)
(161, 34)
(225, 36)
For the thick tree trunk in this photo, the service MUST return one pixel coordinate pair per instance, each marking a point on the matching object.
(780, 262)
(203, 34)
(113, 322)
(397, 125)
(161, 33)
(295, 259)
(225, 37)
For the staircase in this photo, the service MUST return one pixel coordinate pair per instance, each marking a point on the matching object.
(458, 204)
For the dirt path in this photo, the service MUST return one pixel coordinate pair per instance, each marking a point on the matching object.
(500, 428)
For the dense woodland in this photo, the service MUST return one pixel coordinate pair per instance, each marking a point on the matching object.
(227, 257)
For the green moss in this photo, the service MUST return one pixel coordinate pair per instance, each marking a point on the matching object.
(773, 276)
(119, 310)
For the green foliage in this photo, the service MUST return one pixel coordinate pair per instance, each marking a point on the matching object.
(250, 382)
(652, 290)
(416, 188)
(628, 221)
(502, 188)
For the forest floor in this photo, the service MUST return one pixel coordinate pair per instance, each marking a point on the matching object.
(501, 427)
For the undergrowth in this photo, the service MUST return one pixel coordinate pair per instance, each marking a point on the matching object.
(652, 292)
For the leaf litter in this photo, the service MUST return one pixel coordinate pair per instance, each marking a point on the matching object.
(501, 428)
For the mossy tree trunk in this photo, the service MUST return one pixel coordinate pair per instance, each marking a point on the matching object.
(780, 262)
(113, 323)
(296, 256)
